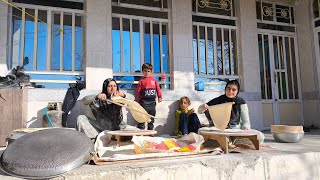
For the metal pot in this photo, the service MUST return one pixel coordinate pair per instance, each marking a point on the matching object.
(287, 137)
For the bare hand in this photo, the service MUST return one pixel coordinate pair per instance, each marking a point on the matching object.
(102, 96)
(159, 100)
(191, 111)
(118, 93)
(204, 107)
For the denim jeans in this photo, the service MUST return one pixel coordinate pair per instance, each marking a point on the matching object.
(150, 107)
(189, 124)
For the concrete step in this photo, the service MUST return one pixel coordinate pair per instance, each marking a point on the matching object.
(290, 161)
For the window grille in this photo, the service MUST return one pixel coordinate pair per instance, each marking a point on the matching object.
(275, 14)
(48, 43)
(139, 38)
(285, 73)
(223, 8)
(214, 44)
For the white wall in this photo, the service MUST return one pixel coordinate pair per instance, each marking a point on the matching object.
(309, 64)
(249, 59)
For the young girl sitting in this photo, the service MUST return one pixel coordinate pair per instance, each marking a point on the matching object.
(186, 120)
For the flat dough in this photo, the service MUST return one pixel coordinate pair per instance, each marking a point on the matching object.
(220, 114)
(137, 111)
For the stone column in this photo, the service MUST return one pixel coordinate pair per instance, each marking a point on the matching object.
(249, 60)
(309, 64)
(98, 43)
(3, 38)
(182, 50)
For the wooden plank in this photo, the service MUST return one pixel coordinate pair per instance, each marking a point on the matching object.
(12, 109)
(3, 117)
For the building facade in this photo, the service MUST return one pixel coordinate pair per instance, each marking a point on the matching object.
(195, 46)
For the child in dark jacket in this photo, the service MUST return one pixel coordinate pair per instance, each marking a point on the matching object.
(147, 91)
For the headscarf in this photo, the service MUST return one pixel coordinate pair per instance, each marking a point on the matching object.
(236, 108)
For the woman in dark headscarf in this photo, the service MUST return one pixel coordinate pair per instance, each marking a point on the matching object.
(239, 117)
(106, 116)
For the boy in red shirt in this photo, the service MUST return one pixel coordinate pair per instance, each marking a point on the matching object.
(147, 91)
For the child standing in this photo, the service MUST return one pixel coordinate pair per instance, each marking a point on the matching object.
(147, 90)
(186, 120)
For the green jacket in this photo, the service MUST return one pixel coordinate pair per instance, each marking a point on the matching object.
(178, 114)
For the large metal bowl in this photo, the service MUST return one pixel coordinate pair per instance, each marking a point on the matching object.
(287, 137)
(46, 154)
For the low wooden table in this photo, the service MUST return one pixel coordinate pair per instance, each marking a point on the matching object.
(120, 133)
(223, 137)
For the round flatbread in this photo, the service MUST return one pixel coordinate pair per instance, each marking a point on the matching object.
(137, 111)
(220, 114)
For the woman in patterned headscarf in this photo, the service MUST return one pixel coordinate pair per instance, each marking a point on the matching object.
(106, 116)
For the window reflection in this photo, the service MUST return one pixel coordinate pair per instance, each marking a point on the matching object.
(136, 45)
(210, 51)
(262, 70)
(165, 53)
(126, 45)
(156, 47)
(67, 42)
(195, 50)
(116, 50)
(294, 69)
(234, 52)
(42, 41)
(219, 51)
(16, 36)
(55, 63)
(147, 43)
(29, 41)
(202, 50)
(289, 71)
(78, 43)
(226, 52)
(267, 66)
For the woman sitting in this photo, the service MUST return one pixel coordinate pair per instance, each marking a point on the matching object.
(106, 115)
(239, 118)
